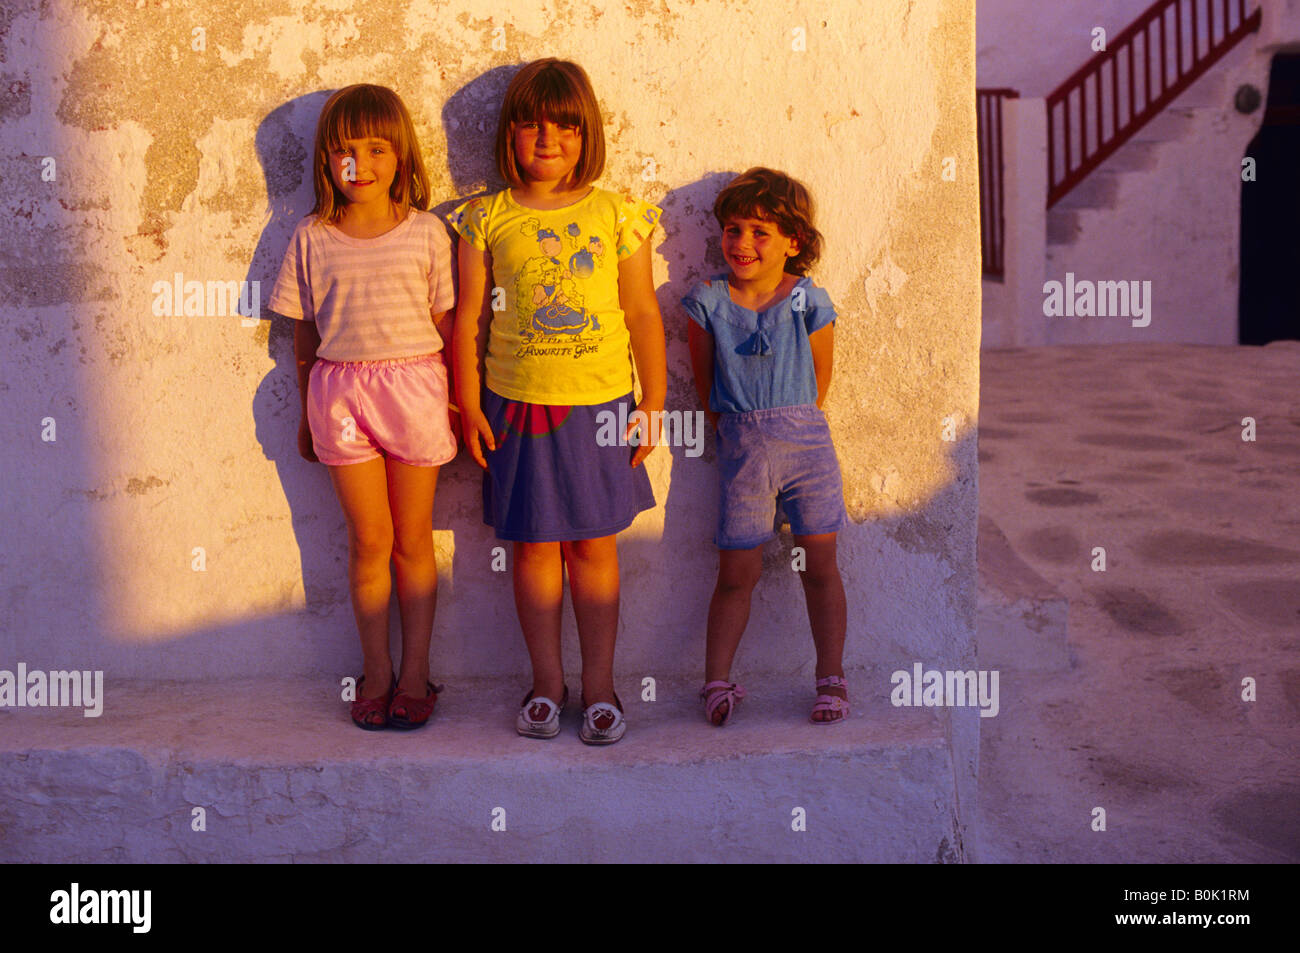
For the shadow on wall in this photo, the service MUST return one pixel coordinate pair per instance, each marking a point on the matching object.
(284, 145)
(476, 630)
(469, 126)
(691, 248)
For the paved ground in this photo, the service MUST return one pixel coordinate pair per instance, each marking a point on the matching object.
(1138, 449)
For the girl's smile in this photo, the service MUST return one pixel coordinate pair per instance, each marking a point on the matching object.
(756, 249)
(547, 151)
(369, 175)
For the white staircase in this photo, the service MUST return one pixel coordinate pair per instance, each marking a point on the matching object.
(1101, 192)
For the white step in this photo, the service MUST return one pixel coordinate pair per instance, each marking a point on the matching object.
(1133, 156)
(1063, 226)
(1098, 190)
(1211, 91)
(282, 775)
(1174, 122)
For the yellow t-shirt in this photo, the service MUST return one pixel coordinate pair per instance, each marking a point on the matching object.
(557, 334)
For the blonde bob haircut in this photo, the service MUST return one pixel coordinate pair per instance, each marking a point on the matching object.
(559, 91)
(364, 111)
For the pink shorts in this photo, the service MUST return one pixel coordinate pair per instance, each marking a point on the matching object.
(360, 410)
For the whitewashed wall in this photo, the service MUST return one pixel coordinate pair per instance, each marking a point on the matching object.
(178, 433)
(1033, 45)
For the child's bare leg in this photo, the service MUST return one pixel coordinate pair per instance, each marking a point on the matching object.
(593, 583)
(362, 490)
(738, 572)
(539, 594)
(410, 492)
(827, 609)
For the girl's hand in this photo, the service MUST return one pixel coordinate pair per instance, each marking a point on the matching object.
(649, 432)
(475, 426)
(453, 421)
(306, 450)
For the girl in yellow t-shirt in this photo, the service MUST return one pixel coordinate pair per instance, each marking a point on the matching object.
(556, 306)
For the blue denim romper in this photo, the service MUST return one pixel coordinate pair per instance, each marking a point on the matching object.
(774, 446)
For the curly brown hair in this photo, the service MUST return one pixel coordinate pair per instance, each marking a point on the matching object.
(774, 197)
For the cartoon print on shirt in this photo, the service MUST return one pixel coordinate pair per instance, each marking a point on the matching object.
(583, 262)
(549, 300)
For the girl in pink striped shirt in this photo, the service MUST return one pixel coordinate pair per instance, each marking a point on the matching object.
(368, 278)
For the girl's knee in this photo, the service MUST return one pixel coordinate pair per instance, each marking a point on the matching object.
(412, 546)
(372, 544)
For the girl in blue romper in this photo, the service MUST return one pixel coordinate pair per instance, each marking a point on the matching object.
(762, 341)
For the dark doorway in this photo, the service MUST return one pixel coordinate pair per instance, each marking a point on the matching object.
(1269, 301)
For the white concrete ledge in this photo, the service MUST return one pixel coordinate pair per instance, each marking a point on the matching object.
(282, 775)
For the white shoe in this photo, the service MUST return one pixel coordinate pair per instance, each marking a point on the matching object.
(592, 735)
(540, 717)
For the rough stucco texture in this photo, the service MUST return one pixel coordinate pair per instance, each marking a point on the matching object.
(173, 433)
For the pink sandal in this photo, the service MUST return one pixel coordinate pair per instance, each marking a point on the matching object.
(715, 693)
(831, 703)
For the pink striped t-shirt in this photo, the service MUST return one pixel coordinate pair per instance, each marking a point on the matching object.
(372, 298)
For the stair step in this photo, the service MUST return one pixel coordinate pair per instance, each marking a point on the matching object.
(1022, 621)
(1174, 122)
(1133, 156)
(283, 775)
(1063, 226)
(1211, 90)
(1098, 190)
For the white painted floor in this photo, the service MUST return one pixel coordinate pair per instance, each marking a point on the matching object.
(1138, 449)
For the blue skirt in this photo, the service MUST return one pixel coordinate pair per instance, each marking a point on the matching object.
(551, 480)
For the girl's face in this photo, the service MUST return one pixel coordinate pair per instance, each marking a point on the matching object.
(545, 151)
(364, 169)
(756, 249)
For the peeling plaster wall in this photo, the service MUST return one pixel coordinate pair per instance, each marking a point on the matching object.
(178, 433)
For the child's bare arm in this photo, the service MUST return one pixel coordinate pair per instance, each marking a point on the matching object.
(306, 339)
(645, 327)
(701, 345)
(469, 345)
(823, 355)
(444, 322)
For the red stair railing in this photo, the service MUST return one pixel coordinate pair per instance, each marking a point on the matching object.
(1114, 94)
(988, 124)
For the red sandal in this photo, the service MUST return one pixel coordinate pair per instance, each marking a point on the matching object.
(365, 710)
(414, 712)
